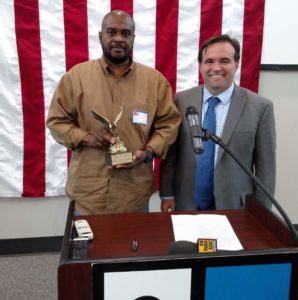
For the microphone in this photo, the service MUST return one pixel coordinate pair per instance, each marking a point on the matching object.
(183, 247)
(192, 117)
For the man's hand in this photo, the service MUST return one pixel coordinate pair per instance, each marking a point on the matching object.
(138, 158)
(99, 139)
(167, 205)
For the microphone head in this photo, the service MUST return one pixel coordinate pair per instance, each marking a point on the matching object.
(183, 247)
(190, 110)
(192, 116)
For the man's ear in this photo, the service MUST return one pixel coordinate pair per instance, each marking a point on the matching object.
(99, 36)
(200, 67)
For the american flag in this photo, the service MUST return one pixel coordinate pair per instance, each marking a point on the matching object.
(41, 40)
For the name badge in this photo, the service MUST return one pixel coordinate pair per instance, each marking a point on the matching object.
(139, 117)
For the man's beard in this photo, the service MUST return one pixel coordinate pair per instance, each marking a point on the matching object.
(115, 60)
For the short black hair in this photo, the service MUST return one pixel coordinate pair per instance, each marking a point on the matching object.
(220, 39)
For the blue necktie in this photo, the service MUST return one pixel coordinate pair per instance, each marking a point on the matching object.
(205, 161)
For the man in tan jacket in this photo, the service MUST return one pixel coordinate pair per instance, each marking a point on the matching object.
(137, 98)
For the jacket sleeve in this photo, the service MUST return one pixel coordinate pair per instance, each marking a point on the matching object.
(265, 153)
(166, 122)
(167, 173)
(62, 115)
(168, 166)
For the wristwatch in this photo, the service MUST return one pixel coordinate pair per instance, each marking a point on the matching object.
(149, 154)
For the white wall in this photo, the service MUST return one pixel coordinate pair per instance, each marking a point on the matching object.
(25, 217)
(280, 88)
(38, 217)
(280, 39)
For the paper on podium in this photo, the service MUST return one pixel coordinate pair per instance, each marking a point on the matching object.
(192, 227)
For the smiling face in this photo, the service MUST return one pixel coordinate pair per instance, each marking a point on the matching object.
(218, 67)
(117, 37)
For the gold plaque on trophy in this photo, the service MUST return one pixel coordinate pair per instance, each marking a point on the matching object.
(118, 152)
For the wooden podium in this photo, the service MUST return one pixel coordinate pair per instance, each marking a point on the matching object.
(266, 241)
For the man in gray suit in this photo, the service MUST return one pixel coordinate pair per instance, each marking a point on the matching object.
(245, 123)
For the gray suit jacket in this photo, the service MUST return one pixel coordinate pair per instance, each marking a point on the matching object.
(249, 131)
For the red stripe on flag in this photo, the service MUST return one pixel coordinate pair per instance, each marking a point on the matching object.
(30, 64)
(76, 34)
(166, 39)
(211, 21)
(167, 12)
(123, 5)
(252, 44)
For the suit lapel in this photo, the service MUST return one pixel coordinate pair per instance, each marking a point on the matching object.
(237, 105)
(196, 100)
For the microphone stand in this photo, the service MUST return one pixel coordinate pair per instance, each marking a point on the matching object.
(206, 135)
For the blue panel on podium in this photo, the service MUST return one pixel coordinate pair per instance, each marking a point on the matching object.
(258, 282)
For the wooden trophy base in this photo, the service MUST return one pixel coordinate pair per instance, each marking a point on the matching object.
(121, 158)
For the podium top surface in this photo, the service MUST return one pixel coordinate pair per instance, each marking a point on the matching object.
(264, 237)
(115, 234)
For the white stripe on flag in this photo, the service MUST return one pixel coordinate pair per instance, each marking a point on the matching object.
(96, 11)
(188, 44)
(11, 116)
(53, 67)
(232, 24)
(144, 47)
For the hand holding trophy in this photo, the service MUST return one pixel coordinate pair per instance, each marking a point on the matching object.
(118, 152)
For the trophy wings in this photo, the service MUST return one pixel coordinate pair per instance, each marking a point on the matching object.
(118, 117)
(103, 120)
(106, 122)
